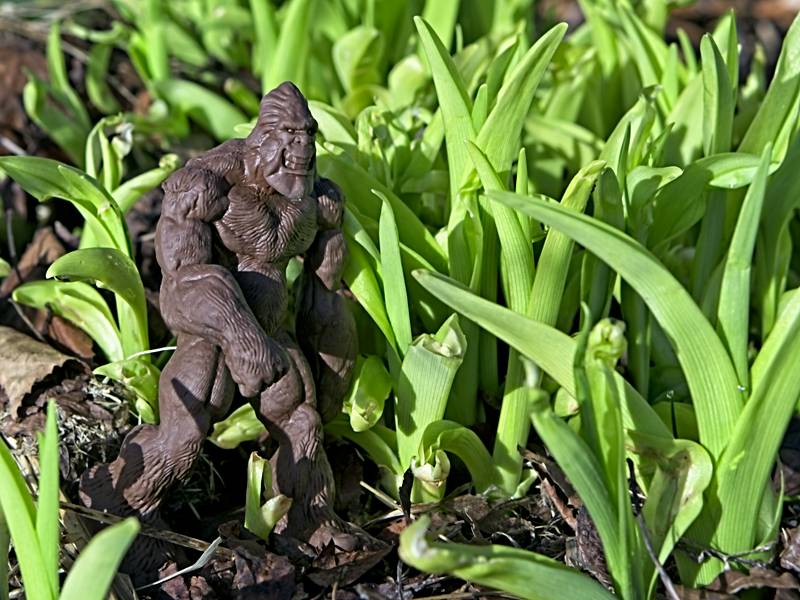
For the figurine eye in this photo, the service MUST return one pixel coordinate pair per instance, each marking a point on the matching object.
(289, 130)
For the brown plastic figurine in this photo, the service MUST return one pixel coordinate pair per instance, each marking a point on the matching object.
(231, 220)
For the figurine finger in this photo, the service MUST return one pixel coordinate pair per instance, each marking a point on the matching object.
(249, 390)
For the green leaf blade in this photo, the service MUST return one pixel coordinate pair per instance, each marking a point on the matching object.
(47, 509)
(525, 574)
(210, 110)
(499, 137)
(552, 350)
(78, 303)
(426, 376)
(394, 285)
(91, 576)
(44, 178)
(717, 99)
(708, 369)
(734, 302)
(453, 100)
(113, 270)
(15, 500)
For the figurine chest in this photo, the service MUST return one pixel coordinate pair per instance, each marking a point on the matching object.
(267, 227)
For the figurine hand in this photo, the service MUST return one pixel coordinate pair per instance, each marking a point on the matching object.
(255, 367)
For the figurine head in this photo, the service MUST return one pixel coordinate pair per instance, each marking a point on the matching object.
(283, 142)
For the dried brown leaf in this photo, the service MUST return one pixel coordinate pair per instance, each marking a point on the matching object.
(731, 583)
(24, 362)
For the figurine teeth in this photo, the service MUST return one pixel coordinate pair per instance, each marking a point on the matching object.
(292, 162)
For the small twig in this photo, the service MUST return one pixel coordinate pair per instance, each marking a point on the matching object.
(726, 559)
(198, 564)
(394, 514)
(12, 146)
(381, 496)
(27, 321)
(669, 587)
(399, 579)
(151, 351)
(167, 536)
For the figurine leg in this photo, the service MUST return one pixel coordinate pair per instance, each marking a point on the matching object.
(194, 388)
(301, 468)
(326, 332)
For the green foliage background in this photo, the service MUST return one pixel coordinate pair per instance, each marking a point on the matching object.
(515, 191)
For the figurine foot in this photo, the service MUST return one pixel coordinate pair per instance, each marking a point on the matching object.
(134, 485)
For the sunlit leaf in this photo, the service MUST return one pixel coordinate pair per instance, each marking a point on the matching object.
(525, 574)
(705, 362)
(91, 576)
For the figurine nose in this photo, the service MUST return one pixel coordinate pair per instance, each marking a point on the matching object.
(304, 146)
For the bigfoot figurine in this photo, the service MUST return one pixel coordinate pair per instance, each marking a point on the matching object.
(231, 220)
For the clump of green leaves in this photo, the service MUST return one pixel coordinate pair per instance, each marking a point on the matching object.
(514, 178)
(676, 234)
(260, 517)
(33, 530)
(105, 256)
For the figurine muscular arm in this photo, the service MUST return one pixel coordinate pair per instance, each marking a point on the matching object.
(203, 299)
(325, 327)
(327, 255)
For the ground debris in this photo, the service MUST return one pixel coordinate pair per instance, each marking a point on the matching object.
(29, 366)
(588, 555)
(43, 250)
(249, 571)
(731, 583)
(335, 566)
(788, 472)
(17, 55)
(790, 556)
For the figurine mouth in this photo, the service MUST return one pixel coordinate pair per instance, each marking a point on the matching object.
(296, 165)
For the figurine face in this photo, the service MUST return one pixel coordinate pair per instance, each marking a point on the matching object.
(291, 151)
(282, 143)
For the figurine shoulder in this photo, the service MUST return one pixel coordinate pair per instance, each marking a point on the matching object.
(330, 204)
(226, 160)
(195, 193)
